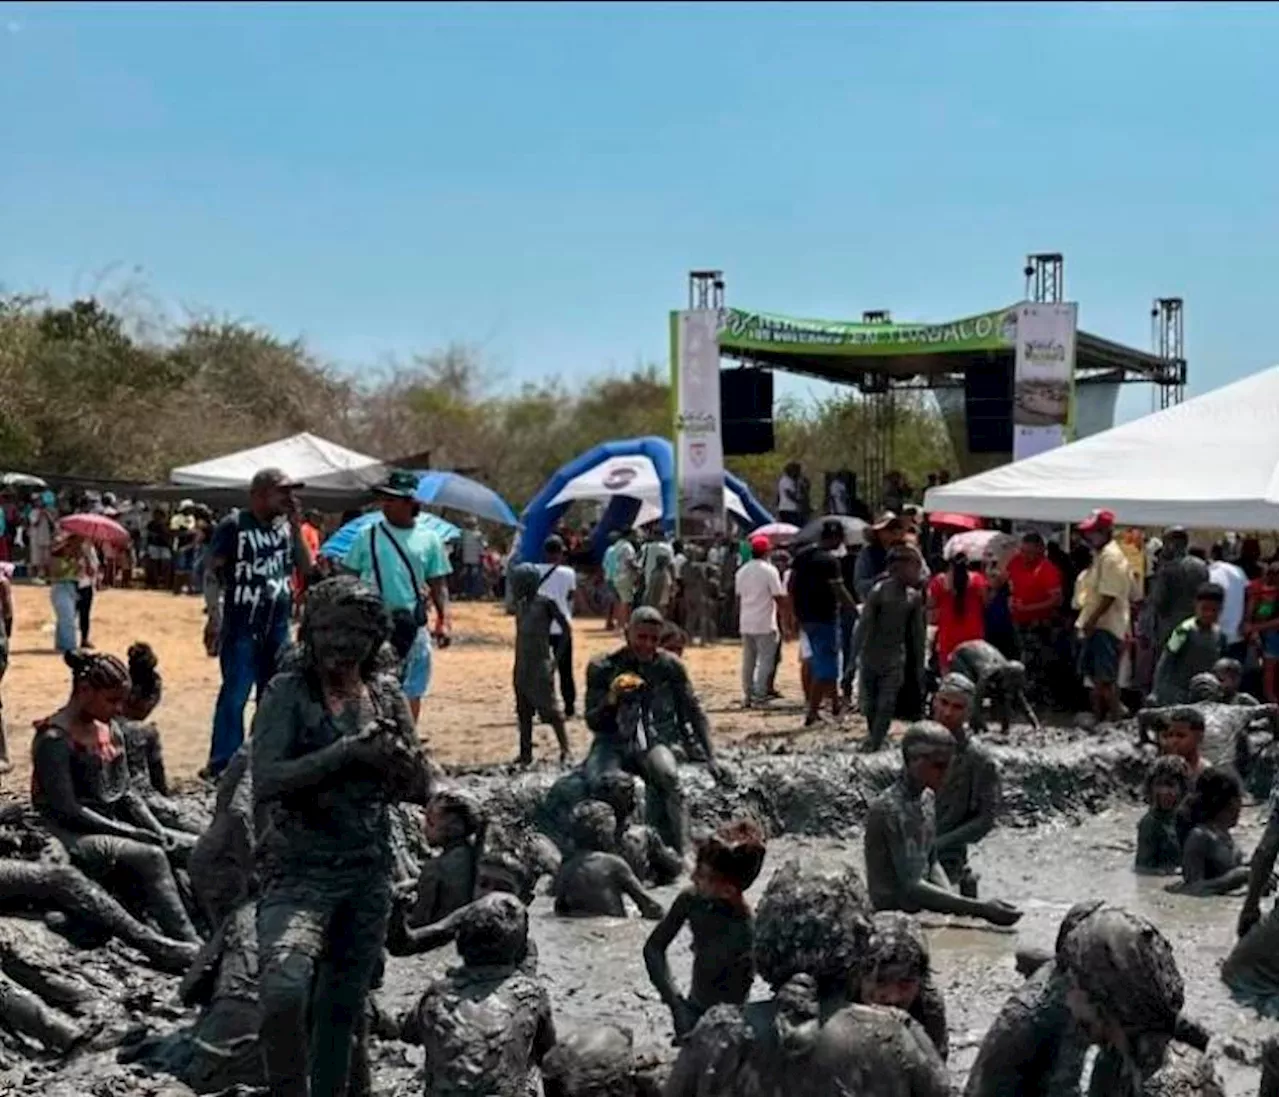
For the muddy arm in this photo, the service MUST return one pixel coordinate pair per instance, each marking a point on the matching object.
(1261, 865)
(274, 773)
(626, 882)
(977, 828)
(655, 950)
(1194, 868)
(693, 717)
(155, 765)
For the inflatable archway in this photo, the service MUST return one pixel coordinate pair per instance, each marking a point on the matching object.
(636, 479)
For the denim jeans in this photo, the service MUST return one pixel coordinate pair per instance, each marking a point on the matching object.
(759, 651)
(247, 662)
(64, 596)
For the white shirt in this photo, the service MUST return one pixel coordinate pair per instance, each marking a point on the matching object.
(1233, 582)
(757, 584)
(559, 587)
(787, 491)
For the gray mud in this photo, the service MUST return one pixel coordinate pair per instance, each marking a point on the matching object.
(1067, 834)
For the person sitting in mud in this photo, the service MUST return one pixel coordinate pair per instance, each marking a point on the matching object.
(1229, 674)
(1252, 969)
(1193, 647)
(1211, 864)
(1204, 688)
(892, 633)
(536, 659)
(640, 845)
(1125, 993)
(1182, 736)
(718, 916)
(811, 931)
(221, 865)
(995, 678)
(486, 1025)
(639, 698)
(1159, 852)
(455, 825)
(1212, 733)
(970, 798)
(597, 1062)
(594, 880)
(895, 971)
(902, 862)
(80, 786)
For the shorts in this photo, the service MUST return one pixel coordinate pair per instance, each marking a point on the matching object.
(1270, 643)
(824, 645)
(1100, 657)
(415, 676)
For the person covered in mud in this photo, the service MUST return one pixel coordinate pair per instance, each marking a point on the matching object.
(640, 845)
(1125, 993)
(455, 825)
(535, 662)
(638, 699)
(1178, 579)
(486, 1025)
(892, 635)
(596, 1062)
(1193, 647)
(970, 798)
(1003, 681)
(1211, 863)
(812, 930)
(895, 971)
(333, 746)
(81, 789)
(1251, 968)
(718, 916)
(1159, 851)
(594, 880)
(903, 872)
(221, 865)
(1182, 736)
(1229, 674)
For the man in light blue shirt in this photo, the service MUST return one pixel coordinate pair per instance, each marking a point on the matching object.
(408, 566)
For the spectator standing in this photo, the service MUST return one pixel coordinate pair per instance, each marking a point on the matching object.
(818, 592)
(626, 576)
(408, 566)
(956, 600)
(1233, 582)
(559, 581)
(1102, 597)
(760, 594)
(609, 566)
(1035, 600)
(159, 553)
(309, 531)
(657, 570)
(64, 586)
(789, 494)
(88, 571)
(1262, 614)
(471, 551)
(882, 535)
(41, 532)
(251, 555)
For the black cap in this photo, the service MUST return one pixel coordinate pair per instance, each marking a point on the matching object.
(273, 478)
(551, 545)
(832, 530)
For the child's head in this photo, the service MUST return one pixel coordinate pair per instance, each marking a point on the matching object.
(1216, 798)
(903, 563)
(1229, 673)
(1183, 734)
(673, 639)
(618, 790)
(592, 826)
(1208, 605)
(145, 685)
(501, 872)
(729, 861)
(895, 964)
(1167, 782)
(927, 749)
(1204, 687)
(493, 930)
(451, 815)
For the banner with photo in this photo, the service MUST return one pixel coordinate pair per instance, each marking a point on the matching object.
(1043, 377)
(695, 385)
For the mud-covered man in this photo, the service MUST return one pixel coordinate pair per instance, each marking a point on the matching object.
(893, 632)
(970, 797)
(333, 746)
(639, 698)
(1001, 680)
(903, 872)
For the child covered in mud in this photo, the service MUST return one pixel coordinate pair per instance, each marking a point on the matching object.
(1159, 851)
(720, 919)
(594, 880)
(1182, 736)
(1193, 647)
(536, 658)
(1211, 863)
(1229, 673)
(895, 971)
(640, 845)
(455, 825)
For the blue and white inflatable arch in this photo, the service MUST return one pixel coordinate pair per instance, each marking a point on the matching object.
(636, 480)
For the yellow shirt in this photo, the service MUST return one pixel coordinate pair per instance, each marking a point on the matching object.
(1108, 576)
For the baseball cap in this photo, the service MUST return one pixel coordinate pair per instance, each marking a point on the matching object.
(886, 519)
(271, 478)
(760, 544)
(1098, 519)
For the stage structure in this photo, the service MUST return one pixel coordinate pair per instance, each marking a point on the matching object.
(1002, 396)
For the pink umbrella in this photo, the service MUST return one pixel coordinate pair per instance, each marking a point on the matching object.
(779, 533)
(96, 527)
(955, 521)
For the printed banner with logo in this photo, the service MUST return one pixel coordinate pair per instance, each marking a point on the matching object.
(1043, 372)
(695, 383)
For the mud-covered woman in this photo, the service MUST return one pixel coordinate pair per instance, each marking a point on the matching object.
(80, 786)
(333, 747)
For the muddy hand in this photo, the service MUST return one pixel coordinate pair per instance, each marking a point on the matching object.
(1000, 913)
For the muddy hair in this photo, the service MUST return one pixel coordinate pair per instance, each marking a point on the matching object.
(898, 945)
(617, 789)
(592, 826)
(1214, 790)
(493, 930)
(1168, 769)
(475, 823)
(735, 852)
(145, 683)
(1189, 715)
(96, 669)
(356, 606)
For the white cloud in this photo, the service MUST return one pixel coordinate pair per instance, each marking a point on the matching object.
(13, 26)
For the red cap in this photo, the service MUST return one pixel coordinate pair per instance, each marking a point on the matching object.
(1099, 519)
(760, 544)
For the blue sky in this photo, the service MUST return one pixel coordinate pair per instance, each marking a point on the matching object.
(538, 179)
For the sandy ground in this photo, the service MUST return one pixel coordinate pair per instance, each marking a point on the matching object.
(468, 718)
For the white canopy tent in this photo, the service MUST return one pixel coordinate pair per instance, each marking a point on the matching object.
(1209, 463)
(323, 466)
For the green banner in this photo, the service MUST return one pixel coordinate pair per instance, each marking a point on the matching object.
(762, 331)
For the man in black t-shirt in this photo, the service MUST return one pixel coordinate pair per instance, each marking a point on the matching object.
(818, 593)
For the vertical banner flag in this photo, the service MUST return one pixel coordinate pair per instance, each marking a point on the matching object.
(695, 386)
(1043, 377)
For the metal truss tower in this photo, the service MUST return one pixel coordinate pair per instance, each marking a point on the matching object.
(1167, 345)
(1044, 277)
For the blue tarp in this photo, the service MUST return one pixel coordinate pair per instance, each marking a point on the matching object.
(340, 543)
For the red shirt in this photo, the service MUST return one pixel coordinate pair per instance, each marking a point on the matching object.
(955, 627)
(1031, 585)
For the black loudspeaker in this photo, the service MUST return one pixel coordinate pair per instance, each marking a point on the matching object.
(988, 407)
(746, 411)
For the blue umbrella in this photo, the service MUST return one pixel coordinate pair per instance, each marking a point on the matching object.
(340, 543)
(448, 489)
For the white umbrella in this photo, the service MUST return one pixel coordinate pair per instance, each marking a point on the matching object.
(22, 480)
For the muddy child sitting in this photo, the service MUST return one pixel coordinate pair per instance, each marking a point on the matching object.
(594, 880)
(640, 845)
(1183, 736)
(895, 971)
(720, 920)
(455, 825)
(487, 1024)
(1159, 852)
(1211, 863)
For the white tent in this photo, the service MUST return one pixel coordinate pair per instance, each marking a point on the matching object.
(322, 466)
(1210, 463)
